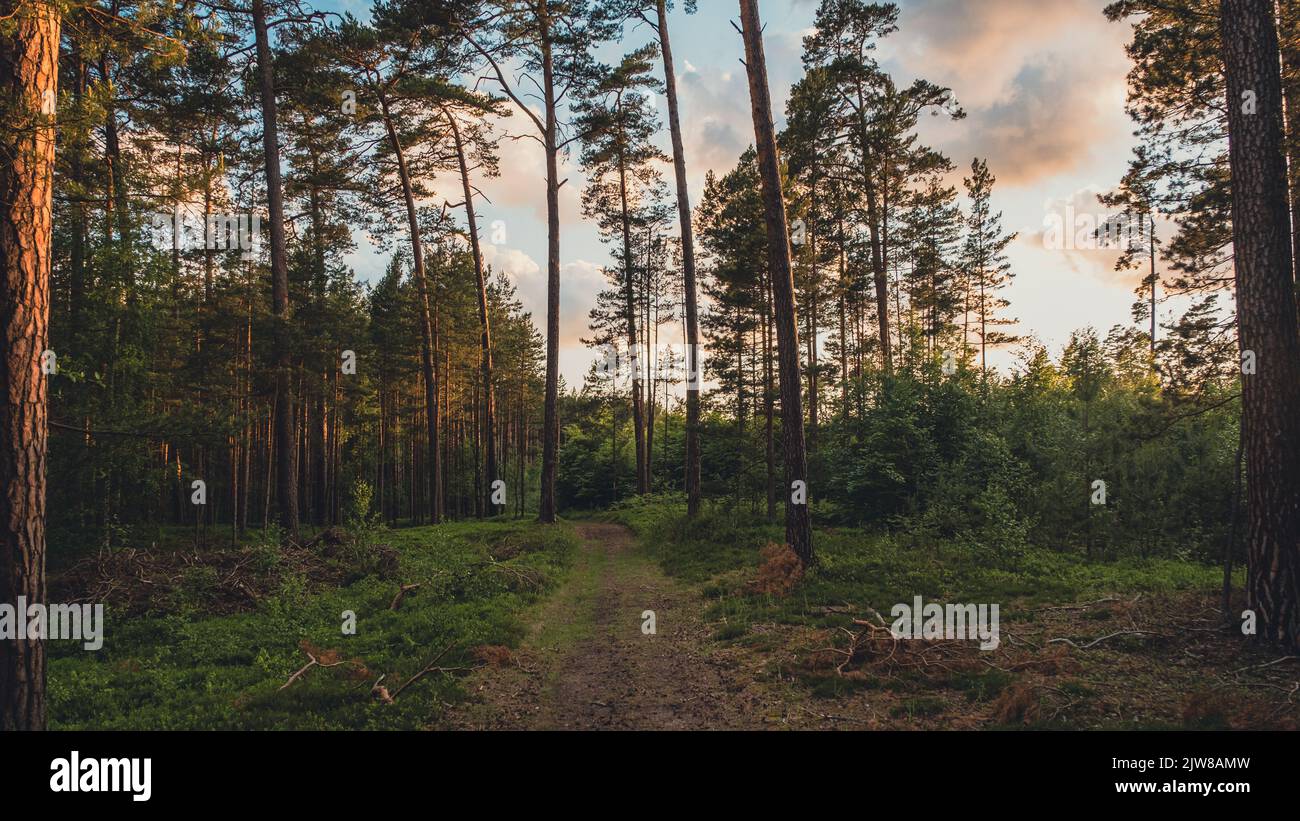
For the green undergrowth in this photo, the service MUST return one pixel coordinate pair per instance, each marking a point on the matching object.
(719, 550)
(191, 670)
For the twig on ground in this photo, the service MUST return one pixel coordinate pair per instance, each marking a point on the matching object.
(429, 668)
(829, 717)
(1079, 606)
(1095, 642)
(314, 662)
(1015, 640)
(380, 692)
(402, 590)
(1268, 664)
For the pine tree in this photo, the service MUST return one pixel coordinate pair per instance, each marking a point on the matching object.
(798, 521)
(29, 54)
(1266, 317)
(617, 124)
(984, 261)
(552, 40)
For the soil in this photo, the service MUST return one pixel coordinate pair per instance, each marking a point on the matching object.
(587, 664)
(1131, 662)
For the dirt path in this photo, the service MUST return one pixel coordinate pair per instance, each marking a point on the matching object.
(587, 664)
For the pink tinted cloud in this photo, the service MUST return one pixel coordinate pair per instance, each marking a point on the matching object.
(1042, 81)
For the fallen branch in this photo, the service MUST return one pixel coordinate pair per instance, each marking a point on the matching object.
(431, 667)
(523, 577)
(1069, 703)
(1261, 666)
(829, 717)
(402, 590)
(314, 662)
(1078, 606)
(1095, 642)
(870, 632)
(1015, 640)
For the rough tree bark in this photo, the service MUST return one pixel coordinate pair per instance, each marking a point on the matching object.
(688, 271)
(798, 522)
(1266, 317)
(286, 474)
(1288, 20)
(29, 55)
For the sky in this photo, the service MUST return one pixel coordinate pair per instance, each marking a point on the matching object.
(1043, 86)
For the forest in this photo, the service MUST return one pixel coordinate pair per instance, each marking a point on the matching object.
(279, 406)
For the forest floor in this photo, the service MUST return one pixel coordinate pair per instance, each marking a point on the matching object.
(724, 657)
(587, 664)
(515, 625)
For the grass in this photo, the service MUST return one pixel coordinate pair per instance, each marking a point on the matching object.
(569, 617)
(719, 550)
(184, 669)
(1183, 672)
(180, 666)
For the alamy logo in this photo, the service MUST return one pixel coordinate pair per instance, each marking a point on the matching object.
(670, 362)
(1073, 231)
(79, 622)
(954, 622)
(130, 775)
(184, 230)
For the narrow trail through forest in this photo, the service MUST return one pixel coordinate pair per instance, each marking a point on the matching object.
(587, 664)
(584, 662)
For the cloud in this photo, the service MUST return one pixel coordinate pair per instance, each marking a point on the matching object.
(1038, 106)
(1049, 122)
(580, 282)
(522, 182)
(1066, 233)
(516, 264)
(1042, 82)
(1043, 85)
(984, 44)
(714, 113)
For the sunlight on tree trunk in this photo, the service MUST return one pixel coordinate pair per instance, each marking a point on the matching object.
(29, 53)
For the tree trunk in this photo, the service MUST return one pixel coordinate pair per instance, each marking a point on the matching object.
(80, 228)
(1266, 317)
(844, 326)
(629, 309)
(29, 53)
(316, 419)
(484, 321)
(118, 203)
(877, 253)
(769, 449)
(813, 287)
(650, 321)
(422, 289)
(551, 421)
(688, 271)
(798, 523)
(286, 472)
(1289, 30)
(1155, 280)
